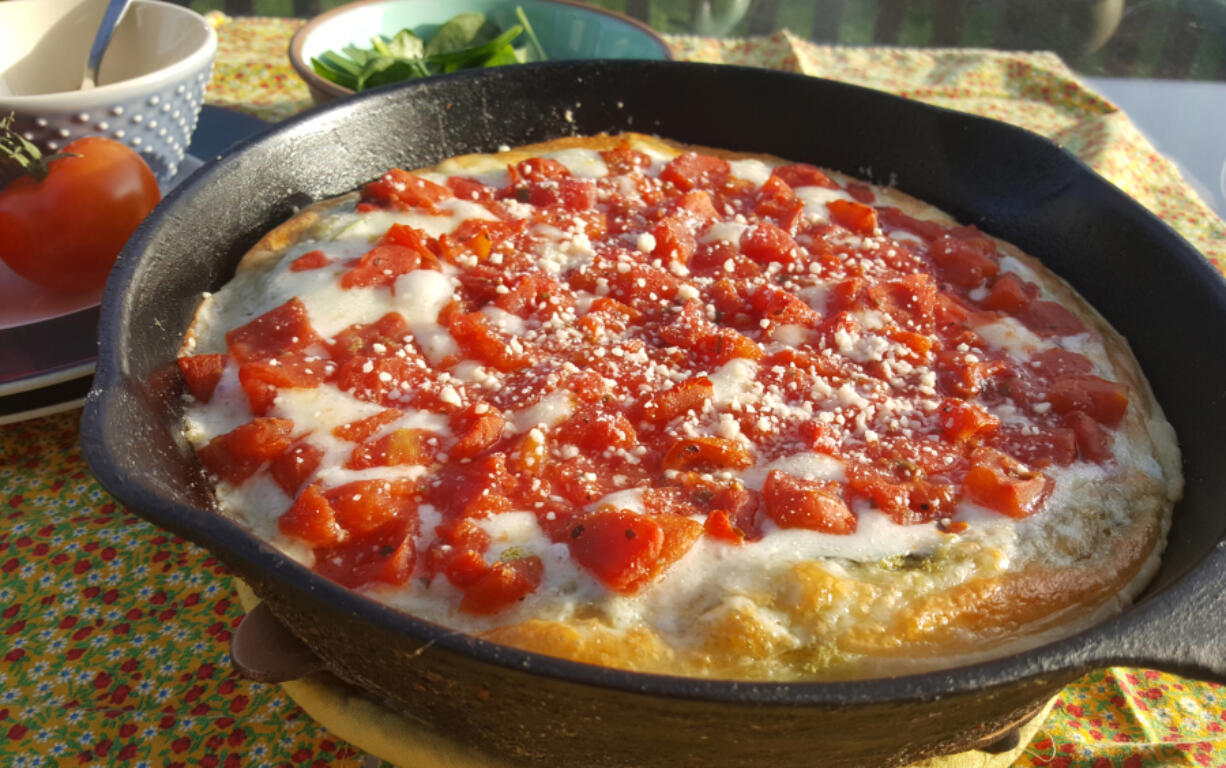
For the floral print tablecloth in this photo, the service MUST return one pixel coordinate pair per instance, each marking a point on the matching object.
(114, 634)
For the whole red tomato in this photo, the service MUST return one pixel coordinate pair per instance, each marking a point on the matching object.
(65, 230)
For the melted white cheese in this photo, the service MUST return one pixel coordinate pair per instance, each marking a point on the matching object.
(584, 163)
(1014, 338)
(815, 199)
(755, 171)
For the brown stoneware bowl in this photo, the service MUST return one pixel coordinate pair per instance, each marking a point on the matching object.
(536, 710)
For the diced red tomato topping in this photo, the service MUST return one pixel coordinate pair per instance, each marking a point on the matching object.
(238, 454)
(480, 341)
(478, 489)
(310, 260)
(965, 377)
(689, 395)
(201, 374)
(794, 502)
(379, 379)
(382, 337)
(503, 585)
(261, 379)
(456, 552)
(963, 422)
(570, 194)
(363, 506)
(1009, 294)
(363, 429)
(765, 243)
(1105, 401)
(802, 175)
(401, 447)
(541, 169)
(1004, 484)
(861, 193)
(626, 550)
(1054, 363)
(782, 307)
(691, 170)
(625, 159)
(284, 329)
(719, 525)
(470, 189)
(965, 261)
(776, 201)
(642, 285)
(857, 217)
(292, 468)
(386, 555)
(891, 219)
(910, 302)
(674, 241)
(706, 453)
(1039, 447)
(594, 429)
(462, 567)
(619, 547)
(863, 338)
(1093, 442)
(1047, 318)
(384, 263)
(311, 519)
(402, 190)
(476, 428)
(533, 295)
(479, 237)
(697, 208)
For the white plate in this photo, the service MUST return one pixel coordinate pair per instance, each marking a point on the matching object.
(54, 398)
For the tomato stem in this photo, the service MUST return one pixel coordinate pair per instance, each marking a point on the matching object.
(20, 155)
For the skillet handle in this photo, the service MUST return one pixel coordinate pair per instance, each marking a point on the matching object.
(262, 649)
(1181, 629)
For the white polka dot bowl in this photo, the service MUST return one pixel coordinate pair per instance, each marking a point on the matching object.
(150, 85)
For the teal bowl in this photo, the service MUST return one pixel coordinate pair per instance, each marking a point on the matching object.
(566, 30)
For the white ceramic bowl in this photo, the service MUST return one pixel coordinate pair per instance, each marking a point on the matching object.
(150, 85)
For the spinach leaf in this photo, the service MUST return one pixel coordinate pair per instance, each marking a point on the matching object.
(359, 55)
(467, 30)
(338, 69)
(405, 45)
(466, 40)
(474, 56)
(384, 70)
(504, 55)
(536, 52)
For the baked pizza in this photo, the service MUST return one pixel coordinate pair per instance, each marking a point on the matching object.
(683, 410)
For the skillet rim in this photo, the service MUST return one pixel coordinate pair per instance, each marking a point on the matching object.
(1070, 656)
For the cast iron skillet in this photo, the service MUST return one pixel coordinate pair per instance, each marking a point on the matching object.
(534, 709)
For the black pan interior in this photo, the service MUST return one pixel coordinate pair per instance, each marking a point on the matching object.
(1160, 294)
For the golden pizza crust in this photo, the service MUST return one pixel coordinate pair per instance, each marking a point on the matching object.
(830, 620)
(399, 740)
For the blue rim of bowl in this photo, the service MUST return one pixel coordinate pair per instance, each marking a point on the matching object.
(331, 90)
